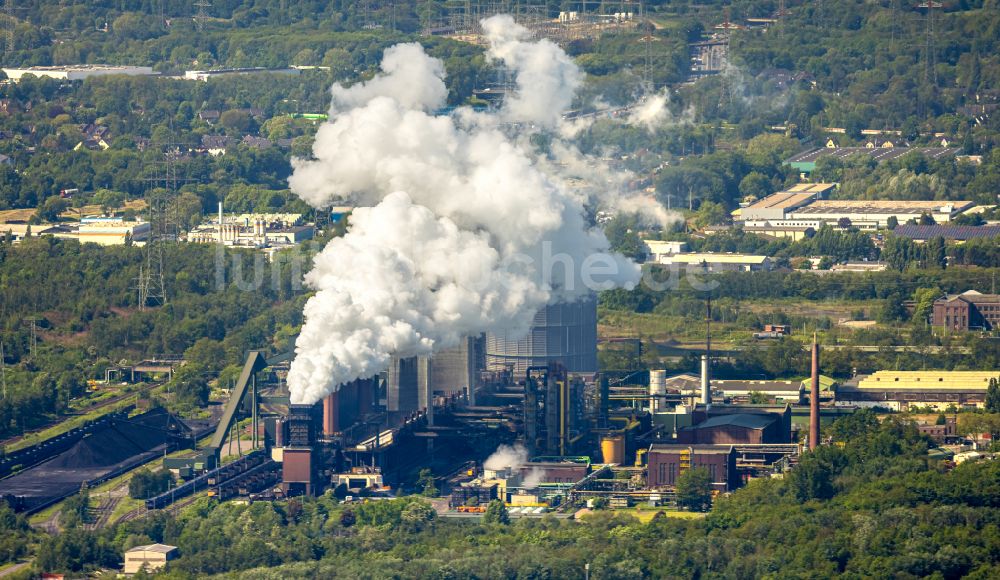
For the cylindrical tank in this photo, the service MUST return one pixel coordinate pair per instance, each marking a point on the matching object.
(613, 449)
(566, 333)
(657, 382)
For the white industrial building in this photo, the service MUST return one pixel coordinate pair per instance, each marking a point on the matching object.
(778, 205)
(712, 262)
(871, 215)
(78, 72)
(655, 249)
(254, 230)
(112, 231)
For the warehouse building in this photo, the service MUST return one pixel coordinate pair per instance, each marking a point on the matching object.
(712, 262)
(872, 215)
(901, 390)
(779, 391)
(18, 232)
(151, 558)
(77, 72)
(112, 231)
(667, 462)
(734, 429)
(655, 249)
(951, 233)
(969, 310)
(778, 205)
(805, 162)
(796, 232)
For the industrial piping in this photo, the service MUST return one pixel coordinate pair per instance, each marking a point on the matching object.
(814, 397)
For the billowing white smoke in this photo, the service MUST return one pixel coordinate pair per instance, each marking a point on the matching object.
(461, 227)
(512, 459)
(507, 457)
(547, 78)
(651, 113)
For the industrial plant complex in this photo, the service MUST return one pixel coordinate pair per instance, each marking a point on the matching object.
(484, 289)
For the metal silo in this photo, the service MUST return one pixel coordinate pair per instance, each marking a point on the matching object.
(563, 332)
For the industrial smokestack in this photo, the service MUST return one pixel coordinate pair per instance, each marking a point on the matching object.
(706, 393)
(331, 414)
(814, 397)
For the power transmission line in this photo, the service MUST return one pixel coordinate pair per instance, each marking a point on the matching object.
(201, 15)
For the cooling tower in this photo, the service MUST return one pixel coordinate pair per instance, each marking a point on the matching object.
(566, 333)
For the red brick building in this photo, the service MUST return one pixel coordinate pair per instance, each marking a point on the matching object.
(967, 311)
(667, 462)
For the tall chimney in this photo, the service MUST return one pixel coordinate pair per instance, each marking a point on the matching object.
(706, 393)
(331, 412)
(814, 397)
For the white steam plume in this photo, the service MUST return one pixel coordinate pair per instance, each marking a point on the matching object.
(506, 456)
(513, 458)
(651, 113)
(547, 78)
(462, 228)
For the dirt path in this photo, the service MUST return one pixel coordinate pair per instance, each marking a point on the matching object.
(16, 568)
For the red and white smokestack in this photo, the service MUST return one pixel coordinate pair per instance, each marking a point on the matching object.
(706, 393)
(814, 397)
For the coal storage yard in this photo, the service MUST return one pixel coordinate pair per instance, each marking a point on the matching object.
(116, 447)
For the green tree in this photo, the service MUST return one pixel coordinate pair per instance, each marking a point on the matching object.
(924, 303)
(816, 473)
(418, 514)
(694, 489)
(993, 396)
(756, 184)
(623, 236)
(425, 481)
(496, 513)
(50, 210)
(710, 214)
(190, 386)
(146, 484)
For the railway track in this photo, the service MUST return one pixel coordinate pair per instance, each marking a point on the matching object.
(172, 509)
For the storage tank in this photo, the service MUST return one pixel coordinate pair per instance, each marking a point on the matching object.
(566, 333)
(657, 383)
(613, 449)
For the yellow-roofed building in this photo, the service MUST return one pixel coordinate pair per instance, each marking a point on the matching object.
(900, 390)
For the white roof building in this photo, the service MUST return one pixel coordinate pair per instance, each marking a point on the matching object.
(78, 72)
(149, 558)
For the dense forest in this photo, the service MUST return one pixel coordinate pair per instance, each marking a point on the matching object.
(871, 504)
